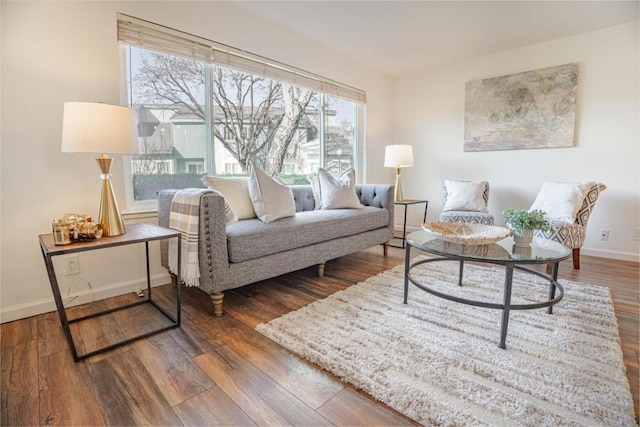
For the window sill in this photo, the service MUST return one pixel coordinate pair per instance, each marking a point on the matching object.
(139, 216)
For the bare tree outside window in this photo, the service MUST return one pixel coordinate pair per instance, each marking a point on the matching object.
(259, 116)
(286, 130)
(170, 80)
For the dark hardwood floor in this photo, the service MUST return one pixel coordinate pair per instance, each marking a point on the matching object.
(220, 370)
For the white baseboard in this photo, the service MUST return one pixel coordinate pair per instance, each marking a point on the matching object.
(624, 256)
(45, 305)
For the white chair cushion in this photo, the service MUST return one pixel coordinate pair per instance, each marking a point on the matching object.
(465, 196)
(271, 199)
(338, 193)
(236, 191)
(560, 201)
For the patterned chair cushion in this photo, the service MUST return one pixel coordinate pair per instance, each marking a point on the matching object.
(572, 236)
(467, 217)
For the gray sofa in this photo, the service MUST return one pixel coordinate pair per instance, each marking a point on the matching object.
(249, 250)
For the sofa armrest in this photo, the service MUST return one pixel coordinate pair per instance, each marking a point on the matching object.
(379, 196)
(212, 231)
(213, 251)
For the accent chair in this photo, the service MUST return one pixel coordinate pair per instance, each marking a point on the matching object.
(466, 201)
(573, 235)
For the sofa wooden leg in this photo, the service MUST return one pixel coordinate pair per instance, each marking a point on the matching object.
(385, 249)
(549, 267)
(321, 269)
(174, 280)
(576, 258)
(216, 299)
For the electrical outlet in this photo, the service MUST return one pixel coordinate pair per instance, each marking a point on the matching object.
(604, 235)
(71, 265)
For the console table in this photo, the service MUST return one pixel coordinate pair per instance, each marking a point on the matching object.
(136, 233)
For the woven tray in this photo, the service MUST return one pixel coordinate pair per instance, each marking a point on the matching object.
(466, 234)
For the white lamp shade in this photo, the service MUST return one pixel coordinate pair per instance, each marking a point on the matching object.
(398, 156)
(89, 127)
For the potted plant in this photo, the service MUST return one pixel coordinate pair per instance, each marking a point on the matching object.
(521, 223)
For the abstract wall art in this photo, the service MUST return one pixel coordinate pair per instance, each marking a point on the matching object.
(534, 109)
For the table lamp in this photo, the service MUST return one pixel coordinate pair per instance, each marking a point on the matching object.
(101, 128)
(398, 156)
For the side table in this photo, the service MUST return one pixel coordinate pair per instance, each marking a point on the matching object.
(136, 233)
(406, 203)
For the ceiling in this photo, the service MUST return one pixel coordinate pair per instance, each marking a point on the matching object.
(398, 37)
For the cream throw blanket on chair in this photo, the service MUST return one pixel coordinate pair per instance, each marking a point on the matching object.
(184, 217)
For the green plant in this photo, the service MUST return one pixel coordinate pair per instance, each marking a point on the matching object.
(519, 220)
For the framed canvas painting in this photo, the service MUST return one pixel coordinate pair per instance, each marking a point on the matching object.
(533, 109)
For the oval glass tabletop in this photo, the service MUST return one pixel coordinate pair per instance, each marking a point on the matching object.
(539, 251)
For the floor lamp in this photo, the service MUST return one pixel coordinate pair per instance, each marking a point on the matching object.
(398, 156)
(101, 128)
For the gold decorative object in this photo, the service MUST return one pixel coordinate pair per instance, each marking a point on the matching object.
(101, 128)
(73, 227)
(398, 156)
(60, 233)
(466, 234)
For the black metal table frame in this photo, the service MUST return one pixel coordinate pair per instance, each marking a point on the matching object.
(175, 321)
(406, 203)
(506, 306)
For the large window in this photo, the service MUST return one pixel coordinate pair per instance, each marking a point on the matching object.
(198, 117)
(169, 97)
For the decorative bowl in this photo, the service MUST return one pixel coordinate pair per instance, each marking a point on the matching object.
(466, 234)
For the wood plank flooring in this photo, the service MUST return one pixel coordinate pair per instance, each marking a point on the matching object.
(220, 371)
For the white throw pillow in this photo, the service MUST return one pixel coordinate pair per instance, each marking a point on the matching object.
(229, 215)
(465, 196)
(236, 191)
(561, 201)
(315, 190)
(338, 193)
(271, 199)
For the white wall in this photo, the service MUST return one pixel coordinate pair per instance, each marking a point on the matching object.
(429, 113)
(54, 52)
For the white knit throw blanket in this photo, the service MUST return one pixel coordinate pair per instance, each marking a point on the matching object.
(184, 217)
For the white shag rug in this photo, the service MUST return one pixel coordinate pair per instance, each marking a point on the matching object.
(437, 361)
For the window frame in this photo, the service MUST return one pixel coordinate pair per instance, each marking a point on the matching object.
(133, 205)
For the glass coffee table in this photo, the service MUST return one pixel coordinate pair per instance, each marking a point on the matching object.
(541, 251)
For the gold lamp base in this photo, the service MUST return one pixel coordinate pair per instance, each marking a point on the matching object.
(109, 216)
(398, 191)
